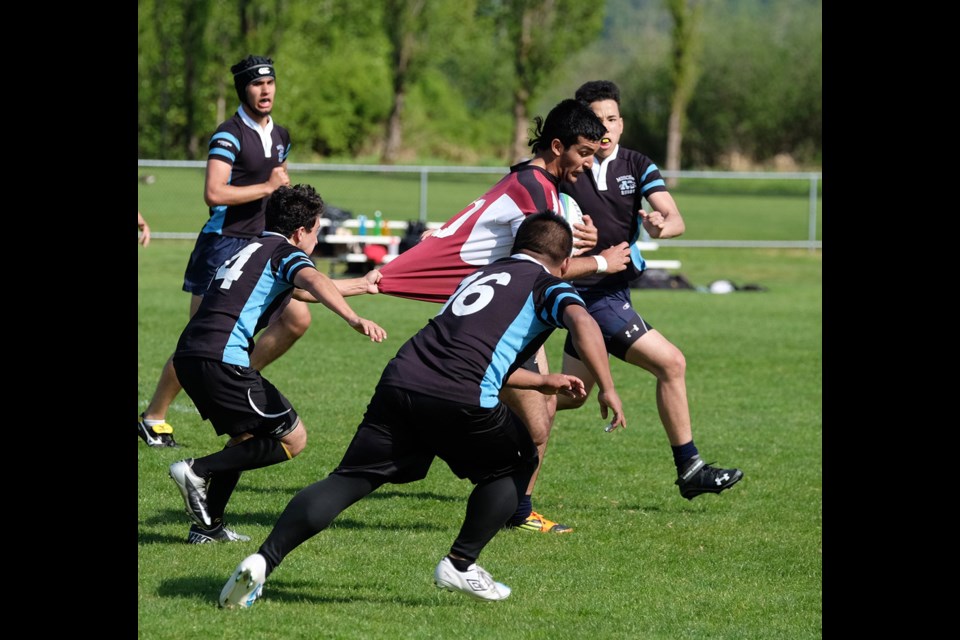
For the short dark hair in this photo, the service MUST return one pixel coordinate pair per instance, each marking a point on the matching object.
(289, 208)
(567, 122)
(545, 233)
(596, 90)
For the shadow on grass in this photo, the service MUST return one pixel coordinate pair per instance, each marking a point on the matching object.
(380, 494)
(238, 521)
(301, 592)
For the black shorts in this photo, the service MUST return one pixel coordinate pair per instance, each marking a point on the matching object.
(531, 364)
(620, 324)
(209, 254)
(402, 431)
(235, 399)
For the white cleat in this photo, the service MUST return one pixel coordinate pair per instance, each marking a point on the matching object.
(246, 584)
(475, 581)
(194, 491)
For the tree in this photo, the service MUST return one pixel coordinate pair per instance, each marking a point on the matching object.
(540, 36)
(684, 67)
(760, 93)
(405, 21)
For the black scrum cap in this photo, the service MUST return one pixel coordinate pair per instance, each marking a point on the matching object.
(248, 70)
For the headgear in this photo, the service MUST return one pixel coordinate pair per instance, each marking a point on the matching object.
(248, 70)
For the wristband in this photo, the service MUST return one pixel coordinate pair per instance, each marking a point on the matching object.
(601, 263)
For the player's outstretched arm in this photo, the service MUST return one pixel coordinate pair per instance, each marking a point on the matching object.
(549, 384)
(593, 353)
(324, 291)
(357, 286)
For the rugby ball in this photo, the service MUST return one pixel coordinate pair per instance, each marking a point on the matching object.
(722, 286)
(570, 210)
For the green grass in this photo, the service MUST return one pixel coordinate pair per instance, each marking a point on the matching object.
(733, 209)
(641, 563)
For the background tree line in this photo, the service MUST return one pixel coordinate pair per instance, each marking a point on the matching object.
(705, 83)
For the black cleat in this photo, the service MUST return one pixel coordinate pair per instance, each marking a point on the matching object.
(220, 533)
(699, 477)
(160, 435)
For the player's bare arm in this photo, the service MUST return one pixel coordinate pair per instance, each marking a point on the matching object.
(615, 258)
(593, 353)
(326, 293)
(359, 286)
(217, 190)
(665, 220)
(549, 384)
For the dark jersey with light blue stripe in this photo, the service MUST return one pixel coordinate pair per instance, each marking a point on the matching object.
(241, 298)
(628, 177)
(496, 319)
(241, 147)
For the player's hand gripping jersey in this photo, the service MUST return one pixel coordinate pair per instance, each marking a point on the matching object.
(477, 236)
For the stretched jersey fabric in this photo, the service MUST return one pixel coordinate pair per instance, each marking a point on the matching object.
(477, 236)
(497, 318)
(243, 295)
(252, 154)
(611, 195)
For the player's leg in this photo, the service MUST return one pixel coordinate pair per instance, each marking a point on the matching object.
(308, 513)
(153, 426)
(489, 505)
(280, 335)
(654, 353)
(371, 460)
(485, 450)
(537, 412)
(574, 367)
(264, 429)
(667, 363)
(631, 339)
(209, 253)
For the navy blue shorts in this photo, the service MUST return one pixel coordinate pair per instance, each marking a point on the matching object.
(209, 254)
(620, 324)
(402, 431)
(235, 399)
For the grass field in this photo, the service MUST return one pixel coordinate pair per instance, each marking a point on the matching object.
(733, 209)
(641, 563)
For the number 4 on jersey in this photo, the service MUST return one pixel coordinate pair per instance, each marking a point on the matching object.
(232, 269)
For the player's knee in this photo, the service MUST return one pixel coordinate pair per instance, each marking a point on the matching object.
(551, 405)
(296, 319)
(675, 364)
(540, 431)
(566, 402)
(295, 441)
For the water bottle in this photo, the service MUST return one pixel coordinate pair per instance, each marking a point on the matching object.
(377, 219)
(362, 222)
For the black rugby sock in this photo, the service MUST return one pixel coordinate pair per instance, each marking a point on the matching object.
(524, 509)
(683, 453)
(249, 454)
(219, 490)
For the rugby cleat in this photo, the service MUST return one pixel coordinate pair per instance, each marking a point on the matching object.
(220, 533)
(246, 584)
(194, 491)
(475, 581)
(699, 477)
(158, 435)
(537, 523)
